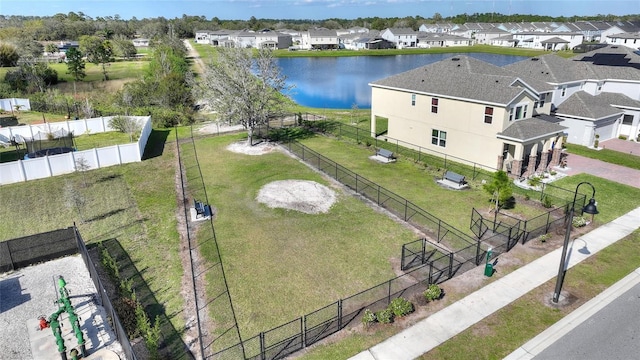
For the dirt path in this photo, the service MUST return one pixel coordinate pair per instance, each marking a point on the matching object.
(192, 53)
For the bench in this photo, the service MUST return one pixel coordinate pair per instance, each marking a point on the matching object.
(385, 154)
(454, 177)
(202, 209)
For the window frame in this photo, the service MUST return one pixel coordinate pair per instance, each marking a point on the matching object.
(413, 99)
(488, 114)
(439, 138)
(434, 105)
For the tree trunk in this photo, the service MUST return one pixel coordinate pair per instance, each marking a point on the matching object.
(250, 133)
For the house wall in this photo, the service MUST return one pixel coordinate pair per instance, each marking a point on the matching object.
(630, 131)
(571, 88)
(583, 131)
(631, 89)
(462, 121)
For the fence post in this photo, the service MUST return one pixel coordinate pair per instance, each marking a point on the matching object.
(424, 248)
(450, 265)
(477, 252)
(339, 314)
(406, 205)
(263, 351)
(402, 257)
(430, 274)
(389, 292)
(303, 331)
(439, 223)
(378, 195)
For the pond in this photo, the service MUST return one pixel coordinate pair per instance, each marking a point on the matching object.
(341, 82)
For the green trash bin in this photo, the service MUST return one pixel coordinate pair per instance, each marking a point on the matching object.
(488, 269)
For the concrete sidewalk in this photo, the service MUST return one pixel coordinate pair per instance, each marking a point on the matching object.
(445, 324)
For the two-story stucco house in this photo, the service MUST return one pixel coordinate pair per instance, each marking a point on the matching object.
(465, 108)
(321, 39)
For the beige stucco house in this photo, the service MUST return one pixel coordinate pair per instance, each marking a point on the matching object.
(471, 110)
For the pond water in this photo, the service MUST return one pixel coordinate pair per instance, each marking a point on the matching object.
(341, 82)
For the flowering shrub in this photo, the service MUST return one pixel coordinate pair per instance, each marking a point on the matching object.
(433, 292)
(401, 307)
(580, 221)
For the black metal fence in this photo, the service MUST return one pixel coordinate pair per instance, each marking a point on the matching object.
(420, 154)
(103, 298)
(224, 334)
(33, 249)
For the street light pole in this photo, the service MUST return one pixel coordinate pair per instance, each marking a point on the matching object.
(589, 209)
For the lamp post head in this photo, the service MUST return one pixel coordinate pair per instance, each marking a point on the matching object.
(591, 208)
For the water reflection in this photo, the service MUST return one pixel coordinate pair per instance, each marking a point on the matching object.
(341, 82)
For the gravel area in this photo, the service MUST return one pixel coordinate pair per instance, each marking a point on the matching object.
(27, 293)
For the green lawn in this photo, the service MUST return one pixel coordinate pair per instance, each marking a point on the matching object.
(115, 71)
(283, 264)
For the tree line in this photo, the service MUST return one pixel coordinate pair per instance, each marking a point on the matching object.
(73, 25)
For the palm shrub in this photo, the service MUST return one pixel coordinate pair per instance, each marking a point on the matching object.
(433, 292)
(400, 307)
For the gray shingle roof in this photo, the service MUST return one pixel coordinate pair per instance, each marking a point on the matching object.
(461, 77)
(551, 68)
(554, 40)
(616, 99)
(584, 105)
(531, 128)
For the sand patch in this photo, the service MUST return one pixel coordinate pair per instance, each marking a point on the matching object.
(243, 147)
(300, 195)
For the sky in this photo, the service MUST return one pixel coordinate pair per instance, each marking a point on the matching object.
(313, 9)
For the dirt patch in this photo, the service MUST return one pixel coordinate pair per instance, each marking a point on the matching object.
(300, 195)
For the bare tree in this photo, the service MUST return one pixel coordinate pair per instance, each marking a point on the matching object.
(245, 87)
(82, 165)
(74, 199)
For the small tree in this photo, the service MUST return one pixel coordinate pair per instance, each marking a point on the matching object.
(74, 199)
(500, 189)
(82, 165)
(75, 64)
(125, 125)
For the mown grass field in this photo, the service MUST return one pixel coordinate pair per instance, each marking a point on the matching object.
(281, 264)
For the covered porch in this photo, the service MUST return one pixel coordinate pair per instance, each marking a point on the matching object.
(530, 146)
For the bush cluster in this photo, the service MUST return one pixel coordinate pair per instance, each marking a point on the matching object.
(433, 292)
(398, 307)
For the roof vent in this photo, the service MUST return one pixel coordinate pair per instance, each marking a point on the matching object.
(534, 59)
(458, 65)
(496, 81)
(455, 59)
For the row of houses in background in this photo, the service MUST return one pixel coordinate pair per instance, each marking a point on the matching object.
(543, 35)
(514, 118)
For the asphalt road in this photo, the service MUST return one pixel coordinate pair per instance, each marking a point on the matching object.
(611, 333)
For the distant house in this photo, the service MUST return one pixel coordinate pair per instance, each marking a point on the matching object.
(64, 46)
(484, 37)
(401, 37)
(548, 40)
(320, 39)
(472, 110)
(630, 40)
(140, 42)
(429, 40)
(504, 41)
(273, 40)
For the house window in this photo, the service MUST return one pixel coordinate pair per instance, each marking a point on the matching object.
(518, 112)
(599, 87)
(413, 99)
(488, 115)
(434, 105)
(543, 97)
(439, 138)
(627, 119)
(564, 91)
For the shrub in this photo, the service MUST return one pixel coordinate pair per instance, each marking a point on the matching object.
(534, 181)
(545, 237)
(527, 197)
(368, 318)
(433, 292)
(384, 316)
(553, 172)
(546, 202)
(622, 137)
(579, 221)
(401, 307)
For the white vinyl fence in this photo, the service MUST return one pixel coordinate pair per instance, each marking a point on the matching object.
(38, 168)
(10, 104)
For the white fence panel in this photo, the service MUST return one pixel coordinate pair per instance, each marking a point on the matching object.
(36, 168)
(129, 153)
(9, 104)
(61, 164)
(11, 172)
(109, 156)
